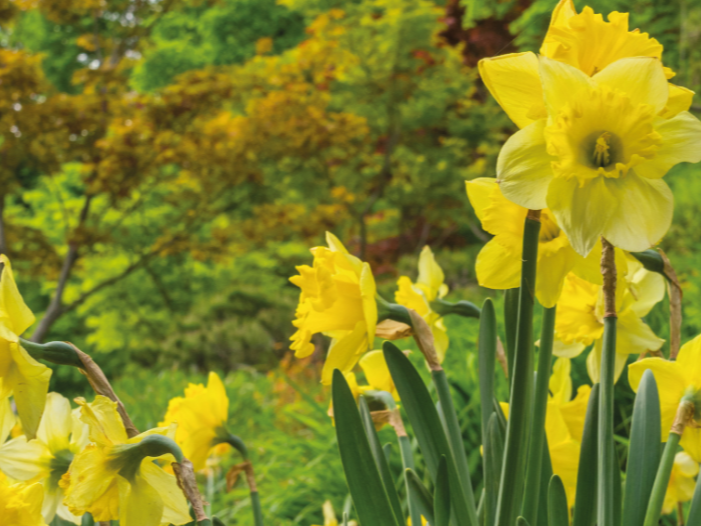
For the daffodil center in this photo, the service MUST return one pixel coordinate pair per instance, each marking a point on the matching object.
(58, 466)
(601, 149)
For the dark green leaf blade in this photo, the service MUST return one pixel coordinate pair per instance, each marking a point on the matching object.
(441, 497)
(644, 450)
(558, 513)
(363, 478)
(585, 500)
(420, 495)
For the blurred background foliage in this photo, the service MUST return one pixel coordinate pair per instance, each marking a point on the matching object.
(166, 164)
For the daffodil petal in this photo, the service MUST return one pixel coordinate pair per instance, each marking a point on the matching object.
(514, 82)
(634, 336)
(689, 362)
(560, 384)
(106, 426)
(430, 273)
(496, 268)
(552, 270)
(641, 78)
(681, 142)
(344, 353)
(13, 311)
(691, 442)
(30, 383)
(175, 507)
(57, 423)
(567, 350)
(594, 364)
(524, 167)
(139, 503)
(574, 412)
(478, 192)
(367, 294)
(23, 460)
(562, 83)
(671, 386)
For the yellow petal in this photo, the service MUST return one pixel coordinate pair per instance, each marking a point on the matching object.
(139, 503)
(524, 167)
(57, 423)
(576, 320)
(565, 460)
(217, 399)
(336, 246)
(634, 336)
(567, 350)
(691, 442)
(7, 419)
(24, 460)
(648, 289)
(575, 411)
(377, 373)
(563, 11)
(562, 84)
(20, 504)
(106, 426)
(671, 386)
(430, 274)
(681, 137)
(344, 353)
(13, 311)
(641, 78)
(560, 381)
(411, 298)
(552, 269)
(513, 81)
(679, 100)
(29, 381)
(440, 338)
(93, 487)
(175, 507)
(689, 362)
(478, 192)
(367, 294)
(496, 268)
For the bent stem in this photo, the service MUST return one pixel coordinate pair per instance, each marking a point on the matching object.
(512, 475)
(535, 448)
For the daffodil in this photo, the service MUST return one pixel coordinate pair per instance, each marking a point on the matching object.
(584, 41)
(675, 380)
(111, 479)
(579, 320)
(429, 286)
(20, 504)
(201, 417)
(681, 482)
(564, 425)
(337, 299)
(7, 419)
(330, 515)
(46, 459)
(20, 374)
(498, 264)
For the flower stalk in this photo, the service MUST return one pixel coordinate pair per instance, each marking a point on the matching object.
(606, 456)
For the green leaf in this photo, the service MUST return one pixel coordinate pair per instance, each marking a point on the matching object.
(420, 495)
(510, 320)
(585, 500)
(521, 522)
(380, 459)
(363, 478)
(644, 450)
(427, 427)
(546, 475)
(487, 351)
(493, 455)
(558, 513)
(441, 497)
(695, 510)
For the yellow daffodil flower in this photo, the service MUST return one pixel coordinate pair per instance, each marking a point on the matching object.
(675, 380)
(337, 299)
(20, 374)
(7, 419)
(20, 504)
(579, 320)
(377, 374)
(564, 425)
(201, 417)
(330, 516)
(106, 481)
(598, 159)
(429, 286)
(584, 41)
(498, 264)
(681, 482)
(46, 459)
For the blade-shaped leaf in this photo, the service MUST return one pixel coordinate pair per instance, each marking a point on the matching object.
(420, 495)
(380, 459)
(493, 455)
(521, 522)
(487, 351)
(427, 427)
(441, 497)
(695, 510)
(644, 450)
(558, 513)
(585, 500)
(546, 475)
(363, 478)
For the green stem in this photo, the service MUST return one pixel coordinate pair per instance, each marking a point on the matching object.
(606, 446)
(59, 353)
(535, 453)
(511, 486)
(510, 321)
(408, 463)
(457, 446)
(654, 507)
(461, 308)
(257, 512)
